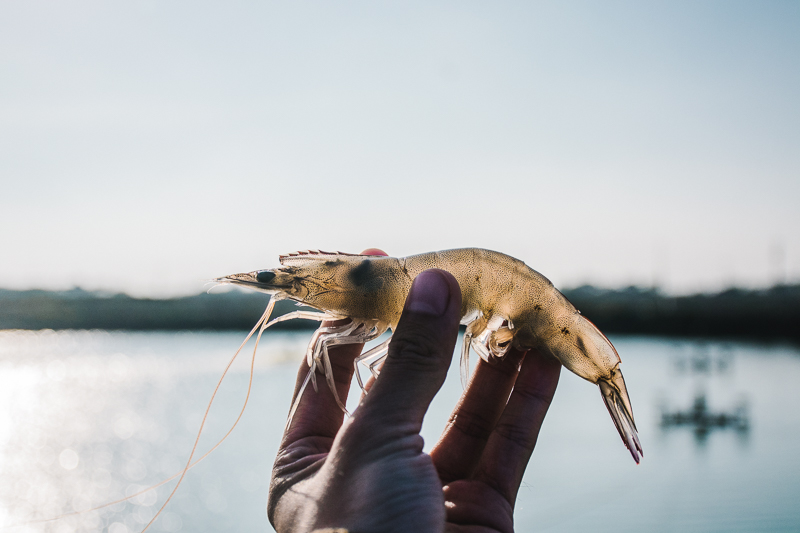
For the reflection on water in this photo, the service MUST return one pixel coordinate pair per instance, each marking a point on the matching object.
(702, 420)
(703, 366)
(704, 359)
(90, 417)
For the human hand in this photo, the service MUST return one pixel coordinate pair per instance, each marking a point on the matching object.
(369, 473)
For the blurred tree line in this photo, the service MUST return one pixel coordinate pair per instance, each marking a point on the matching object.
(761, 314)
(79, 309)
(772, 313)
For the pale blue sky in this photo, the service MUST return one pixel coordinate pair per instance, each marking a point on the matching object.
(147, 146)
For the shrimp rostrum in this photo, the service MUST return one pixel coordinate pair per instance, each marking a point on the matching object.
(505, 304)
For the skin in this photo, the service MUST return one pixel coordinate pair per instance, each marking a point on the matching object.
(369, 473)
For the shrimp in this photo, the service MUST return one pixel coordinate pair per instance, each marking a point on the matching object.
(505, 304)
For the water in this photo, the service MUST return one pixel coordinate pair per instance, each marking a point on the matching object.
(88, 417)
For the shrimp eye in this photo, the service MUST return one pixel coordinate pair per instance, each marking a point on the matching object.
(265, 276)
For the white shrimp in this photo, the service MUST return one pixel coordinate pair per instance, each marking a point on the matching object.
(505, 304)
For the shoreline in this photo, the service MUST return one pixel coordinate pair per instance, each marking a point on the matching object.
(766, 314)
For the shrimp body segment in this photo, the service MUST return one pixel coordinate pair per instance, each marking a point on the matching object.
(505, 304)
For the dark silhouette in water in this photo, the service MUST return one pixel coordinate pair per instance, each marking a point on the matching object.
(703, 421)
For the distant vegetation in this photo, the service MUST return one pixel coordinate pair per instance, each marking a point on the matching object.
(79, 309)
(758, 314)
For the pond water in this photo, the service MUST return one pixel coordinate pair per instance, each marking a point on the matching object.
(89, 417)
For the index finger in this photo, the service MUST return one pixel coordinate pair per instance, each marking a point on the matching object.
(317, 412)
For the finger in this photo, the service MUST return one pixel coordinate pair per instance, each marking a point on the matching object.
(318, 413)
(510, 446)
(374, 251)
(419, 356)
(460, 447)
(474, 507)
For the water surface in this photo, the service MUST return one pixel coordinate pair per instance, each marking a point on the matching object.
(91, 416)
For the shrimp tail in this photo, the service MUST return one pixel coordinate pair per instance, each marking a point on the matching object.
(615, 396)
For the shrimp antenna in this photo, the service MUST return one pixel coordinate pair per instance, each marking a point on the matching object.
(214, 285)
(296, 401)
(261, 325)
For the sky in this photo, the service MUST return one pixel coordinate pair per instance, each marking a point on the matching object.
(147, 147)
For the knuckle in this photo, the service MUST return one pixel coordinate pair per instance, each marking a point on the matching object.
(416, 352)
(517, 435)
(535, 396)
(422, 344)
(473, 424)
(366, 443)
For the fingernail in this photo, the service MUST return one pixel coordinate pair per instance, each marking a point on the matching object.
(429, 295)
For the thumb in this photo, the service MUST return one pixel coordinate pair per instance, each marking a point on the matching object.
(419, 354)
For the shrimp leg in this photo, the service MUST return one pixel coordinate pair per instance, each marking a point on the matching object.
(373, 366)
(307, 315)
(465, 345)
(378, 351)
(332, 336)
(313, 351)
(333, 341)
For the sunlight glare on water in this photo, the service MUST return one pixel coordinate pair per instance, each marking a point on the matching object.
(93, 417)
